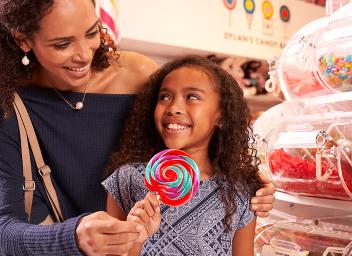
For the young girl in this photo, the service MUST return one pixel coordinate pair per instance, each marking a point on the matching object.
(194, 105)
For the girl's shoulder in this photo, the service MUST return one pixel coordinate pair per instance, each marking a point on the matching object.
(242, 194)
(125, 175)
(131, 169)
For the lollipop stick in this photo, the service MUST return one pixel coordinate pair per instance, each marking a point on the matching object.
(229, 18)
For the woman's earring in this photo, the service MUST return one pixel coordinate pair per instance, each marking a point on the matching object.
(25, 60)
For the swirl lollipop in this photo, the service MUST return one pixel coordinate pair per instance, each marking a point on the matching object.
(173, 175)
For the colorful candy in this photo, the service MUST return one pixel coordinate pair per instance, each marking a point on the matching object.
(337, 71)
(173, 175)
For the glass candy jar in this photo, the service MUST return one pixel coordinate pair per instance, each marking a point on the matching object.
(311, 155)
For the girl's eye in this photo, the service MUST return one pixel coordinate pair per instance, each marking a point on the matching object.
(193, 97)
(164, 97)
(61, 46)
(93, 34)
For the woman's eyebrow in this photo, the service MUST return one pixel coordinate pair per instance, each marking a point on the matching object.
(70, 38)
(93, 27)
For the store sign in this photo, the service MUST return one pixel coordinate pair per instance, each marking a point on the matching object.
(252, 28)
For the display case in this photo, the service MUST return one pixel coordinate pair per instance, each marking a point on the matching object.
(317, 60)
(312, 155)
(305, 146)
(305, 143)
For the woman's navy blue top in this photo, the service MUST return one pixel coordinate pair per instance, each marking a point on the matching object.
(76, 145)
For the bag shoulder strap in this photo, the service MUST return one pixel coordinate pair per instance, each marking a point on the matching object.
(28, 185)
(43, 169)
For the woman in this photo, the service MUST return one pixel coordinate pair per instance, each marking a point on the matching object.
(78, 95)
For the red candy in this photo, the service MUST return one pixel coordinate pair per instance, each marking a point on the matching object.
(295, 175)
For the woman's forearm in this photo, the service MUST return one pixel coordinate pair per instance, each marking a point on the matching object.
(21, 238)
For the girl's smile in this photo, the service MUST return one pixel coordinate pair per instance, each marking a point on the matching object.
(174, 126)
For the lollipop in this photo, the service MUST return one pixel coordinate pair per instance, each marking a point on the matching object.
(284, 13)
(267, 9)
(109, 15)
(249, 7)
(230, 5)
(173, 175)
(285, 17)
(268, 12)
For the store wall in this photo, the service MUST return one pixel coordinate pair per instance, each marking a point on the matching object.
(174, 27)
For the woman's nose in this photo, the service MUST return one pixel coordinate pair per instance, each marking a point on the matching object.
(82, 54)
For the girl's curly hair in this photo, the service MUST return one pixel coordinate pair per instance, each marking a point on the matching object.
(230, 148)
(25, 16)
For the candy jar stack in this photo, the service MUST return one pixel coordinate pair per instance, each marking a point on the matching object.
(305, 143)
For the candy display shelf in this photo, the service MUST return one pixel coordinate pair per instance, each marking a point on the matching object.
(305, 143)
(305, 226)
(301, 238)
(317, 209)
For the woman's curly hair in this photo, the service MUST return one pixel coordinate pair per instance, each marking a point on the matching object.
(230, 148)
(25, 16)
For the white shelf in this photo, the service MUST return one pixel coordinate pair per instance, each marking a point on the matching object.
(314, 201)
(289, 206)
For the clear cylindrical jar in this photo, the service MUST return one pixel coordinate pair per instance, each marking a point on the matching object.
(311, 155)
(334, 52)
(295, 70)
(318, 58)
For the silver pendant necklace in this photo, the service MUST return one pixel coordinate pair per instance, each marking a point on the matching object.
(79, 104)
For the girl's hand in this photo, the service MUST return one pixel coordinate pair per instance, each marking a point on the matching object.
(264, 198)
(101, 234)
(147, 213)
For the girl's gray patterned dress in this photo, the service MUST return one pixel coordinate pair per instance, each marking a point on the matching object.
(196, 228)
